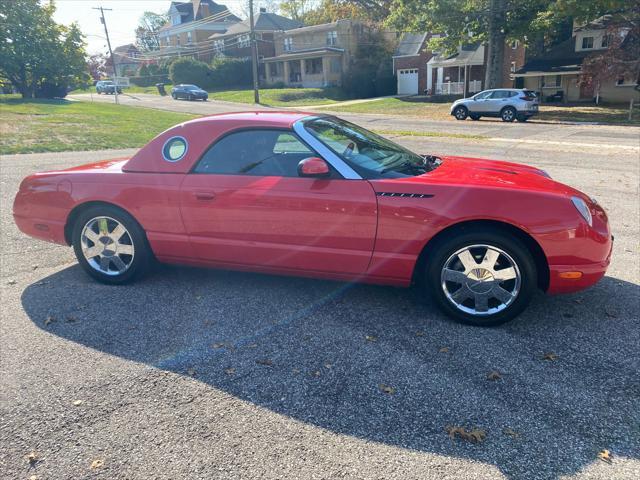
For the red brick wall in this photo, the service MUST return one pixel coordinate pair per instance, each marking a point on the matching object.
(419, 62)
(511, 55)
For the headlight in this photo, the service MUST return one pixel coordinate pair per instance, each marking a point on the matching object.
(583, 209)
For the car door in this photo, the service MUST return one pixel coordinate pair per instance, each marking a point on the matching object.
(244, 203)
(497, 100)
(478, 104)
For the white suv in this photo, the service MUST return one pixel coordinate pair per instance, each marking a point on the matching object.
(507, 103)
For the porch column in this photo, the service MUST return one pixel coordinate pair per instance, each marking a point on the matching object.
(285, 72)
(325, 71)
(440, 77)
(430, 78)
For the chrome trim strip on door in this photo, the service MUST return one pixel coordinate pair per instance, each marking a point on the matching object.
(336, 162)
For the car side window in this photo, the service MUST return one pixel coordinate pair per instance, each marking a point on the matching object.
(483, 95)
(255, 152)
(500, 94)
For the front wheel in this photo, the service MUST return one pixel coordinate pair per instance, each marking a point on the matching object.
(482, 277)
(508, 114)
(461, 113)
(110, 245)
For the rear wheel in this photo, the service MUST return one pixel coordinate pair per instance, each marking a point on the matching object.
(110, 245)
(508, 114)
(461, 113)
(175, 96)
(482, 277)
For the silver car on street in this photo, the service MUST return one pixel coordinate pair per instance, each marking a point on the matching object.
(509, 104)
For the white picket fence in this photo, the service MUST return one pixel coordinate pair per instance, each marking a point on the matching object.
(457, 88)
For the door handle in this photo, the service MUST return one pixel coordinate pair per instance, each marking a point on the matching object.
(205, 195)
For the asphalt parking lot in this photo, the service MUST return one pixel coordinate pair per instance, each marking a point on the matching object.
(207, 374)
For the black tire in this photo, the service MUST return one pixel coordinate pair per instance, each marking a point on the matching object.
(508, 114)
(447, 246)
(190, 98)
(174, 96)
(474, 117)
(461, 112)
(141, 259)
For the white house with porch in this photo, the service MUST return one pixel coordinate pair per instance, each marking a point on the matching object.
(459, 74)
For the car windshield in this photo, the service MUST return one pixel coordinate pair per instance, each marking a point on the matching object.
(190, 87)
(370, 155)
(107, 83)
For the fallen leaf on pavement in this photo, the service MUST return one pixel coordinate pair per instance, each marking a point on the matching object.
(371, 338)
(33, 477)
(49, 320)
(97, 463)
(494, 375)
(552, 357)
(605, 456)
(419, 334)
(475, 435)
(70, 319)
(387, 389)
(511, 433)
(218, 345)
(230, 371)
(198, 297)
(11, 282)
(610, 314)
(444, 350)
(32, 457)
(252, 345)
(77, 403)
(191, 371)
(328, 365)
(264, 361)
(316, 373)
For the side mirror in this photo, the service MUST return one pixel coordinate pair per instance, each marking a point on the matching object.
(313, 167)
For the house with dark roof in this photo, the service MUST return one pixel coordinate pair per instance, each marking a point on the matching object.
(558, 73)
(410, 63)
(127, 59)
(422, 71)
(236, 41)
(190, 26)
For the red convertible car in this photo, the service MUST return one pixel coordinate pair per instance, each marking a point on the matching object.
(301, 194)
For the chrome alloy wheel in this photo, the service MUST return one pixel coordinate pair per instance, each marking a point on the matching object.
(481, 280)
(107, 246)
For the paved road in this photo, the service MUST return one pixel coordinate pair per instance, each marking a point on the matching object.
(538, 133)
(207, 374)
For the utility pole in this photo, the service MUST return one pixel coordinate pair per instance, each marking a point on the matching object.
(113, 59)
(254, 55)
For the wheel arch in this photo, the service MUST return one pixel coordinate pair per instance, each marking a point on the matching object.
(78, 209)
(539, 257)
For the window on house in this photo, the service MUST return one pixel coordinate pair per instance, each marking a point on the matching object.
(515, 44)
(513, 67)
(276, 69)
(620, 80)
(552, 81)
(177, 40)
(587, 43)
(189, 38)
(332, 38)
(313, 66)
(244, 41)
(606, 40)
(288, 44)
(255, 152)
(218, 45)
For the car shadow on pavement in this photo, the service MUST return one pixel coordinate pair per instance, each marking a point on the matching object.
(376, 362)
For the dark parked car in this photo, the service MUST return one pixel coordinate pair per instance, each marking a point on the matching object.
(107, 87)
(189, 92)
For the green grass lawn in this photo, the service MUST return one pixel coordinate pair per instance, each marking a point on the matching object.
(62, 125)
(610, 114)
(283, 97)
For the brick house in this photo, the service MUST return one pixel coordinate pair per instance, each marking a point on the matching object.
(190, 26)
(127, 59)
(315, 56)
(410, 63)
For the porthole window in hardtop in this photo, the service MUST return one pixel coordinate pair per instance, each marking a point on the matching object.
(255, 152)
(174, 149)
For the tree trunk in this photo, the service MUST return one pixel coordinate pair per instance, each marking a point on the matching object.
(495, 44)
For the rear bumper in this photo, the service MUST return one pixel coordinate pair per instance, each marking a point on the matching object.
(43, 229)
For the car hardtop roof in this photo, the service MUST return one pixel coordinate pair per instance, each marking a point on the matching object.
(255, 118)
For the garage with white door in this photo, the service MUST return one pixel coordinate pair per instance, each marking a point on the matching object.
(408, 81)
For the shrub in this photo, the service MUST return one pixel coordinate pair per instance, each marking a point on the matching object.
(230, 72)
(149, 75)
(188, 70)
(368, 74)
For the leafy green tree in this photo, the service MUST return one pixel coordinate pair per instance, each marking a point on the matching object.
(38, 56)
(147, 31)
(188, 70)
(331, 10)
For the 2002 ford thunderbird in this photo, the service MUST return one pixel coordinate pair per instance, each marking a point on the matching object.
(298, 194)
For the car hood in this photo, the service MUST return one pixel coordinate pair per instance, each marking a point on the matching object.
(478, 172)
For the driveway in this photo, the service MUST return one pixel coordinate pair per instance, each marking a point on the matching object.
(206, 374)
